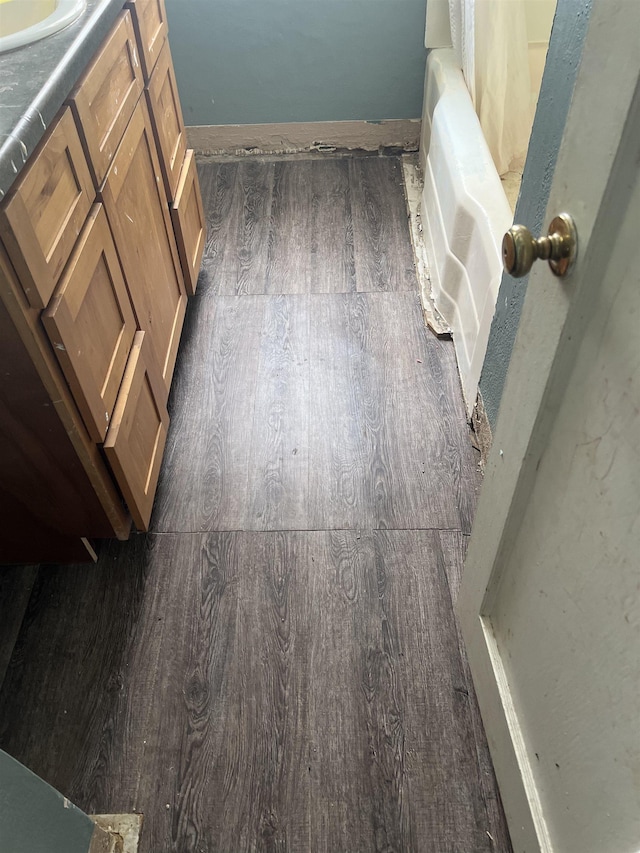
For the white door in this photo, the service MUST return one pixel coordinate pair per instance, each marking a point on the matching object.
(550, 598)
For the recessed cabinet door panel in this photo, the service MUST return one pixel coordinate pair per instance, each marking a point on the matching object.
(166, 116)
(91, 325)
(46, 209)
(189, 222)
(150, 21)
(138, 213)
(107, 95)
(135, 441)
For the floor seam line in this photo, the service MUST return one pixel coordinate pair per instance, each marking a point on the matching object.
(308, 530)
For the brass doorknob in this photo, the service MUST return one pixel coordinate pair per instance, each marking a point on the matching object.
(520, 249)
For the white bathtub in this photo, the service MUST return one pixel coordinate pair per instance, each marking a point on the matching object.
(465, 212)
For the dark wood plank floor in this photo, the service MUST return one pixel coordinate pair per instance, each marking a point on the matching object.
(314, 412)
(277, 666)
(306, 226)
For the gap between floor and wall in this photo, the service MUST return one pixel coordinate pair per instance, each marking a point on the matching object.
(393, 136)
(413, 187)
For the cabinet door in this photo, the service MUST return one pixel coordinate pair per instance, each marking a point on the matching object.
(135, 442)
(189, 223)
(107, 95)
(150, 22)
(48, 463)
(138, 213)
(91, 325)
(166, 117)
(46, 209)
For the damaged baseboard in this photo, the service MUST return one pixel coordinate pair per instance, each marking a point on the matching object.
(482, 430)
(300, 137)
(116, 833)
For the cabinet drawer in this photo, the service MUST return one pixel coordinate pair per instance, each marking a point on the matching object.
(91, 325)
(166, 117)
(138, 213)
(189, 223)
(135, 442)
(107, 95)
(150, 23)
(41, 219)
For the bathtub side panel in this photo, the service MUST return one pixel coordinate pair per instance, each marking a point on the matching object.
(465, 212)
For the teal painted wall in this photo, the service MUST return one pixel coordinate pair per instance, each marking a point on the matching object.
(35, 818)
(261, 61)
(563, 60)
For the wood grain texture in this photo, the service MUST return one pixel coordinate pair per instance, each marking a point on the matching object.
(306, 226)
(16, 583)
(383, 253)
(290, 229)
(278, 666)
(421, 640)
(75, 638)
(311, 236)
(249, 728)
(150, 24)
(217, 181)
(106, 96)
(211, 407)
(332, 253)
(165, 112)
(55, 484)
(312, 412)
(457, 453)
(92, 297)
(278, 691)
(279, 464)
(46, 209)
(138, 432)
(246, 268)
(454, 549)
(187, 215)
(377, 430)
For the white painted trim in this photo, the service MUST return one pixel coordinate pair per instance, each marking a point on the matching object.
(438, 29)
(295, 137)
(548, 335)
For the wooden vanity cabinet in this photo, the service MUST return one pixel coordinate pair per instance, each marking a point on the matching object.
(101, 238)
(135, 442)
(92, 296)
(177, 164)
(187, 214)
(138, 213)
(106, 96)
(56, 489)
(46, 209)
(166, 119)
(150, 23)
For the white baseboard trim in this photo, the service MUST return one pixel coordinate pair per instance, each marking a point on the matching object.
(297, 137)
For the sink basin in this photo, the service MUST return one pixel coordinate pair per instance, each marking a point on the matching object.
(26, 21)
